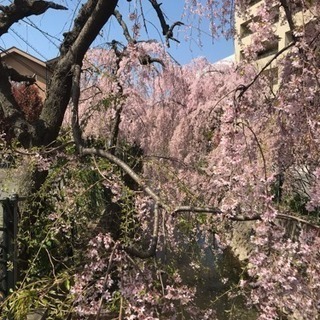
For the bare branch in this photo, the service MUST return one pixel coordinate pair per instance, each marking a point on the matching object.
(125, 168)
(147, 60)
(144, 59)
(154, 239)
(167, 31)
(123, 25)
(213, 210)
(169, 35)
(165, 27)
(105, 280)
(20, 9)
(259, 146)
(197, 210)
(284, 216)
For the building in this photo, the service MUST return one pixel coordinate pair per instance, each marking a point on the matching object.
(281, 29)
(28, 65)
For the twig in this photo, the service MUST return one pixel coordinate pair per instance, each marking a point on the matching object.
(121, 307)
(52, 265)
(297, 219)
(259, 146)
(144, 59)
(197, 210)
(106, 278)
(18, 77)
(42, 151)
(143, 18)
(243, 88)
(154, 239)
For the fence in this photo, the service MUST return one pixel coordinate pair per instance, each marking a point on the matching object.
(8, 250)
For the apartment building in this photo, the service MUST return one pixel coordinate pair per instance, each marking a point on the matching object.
(281, 29)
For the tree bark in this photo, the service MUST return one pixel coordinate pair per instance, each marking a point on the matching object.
(20, 9)
(91, 18)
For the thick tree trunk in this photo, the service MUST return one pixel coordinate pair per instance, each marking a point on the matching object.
(92, 17)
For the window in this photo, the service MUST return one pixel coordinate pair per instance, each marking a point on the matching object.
(245, 29)
(269, 50)
(276, 13)
(295, 7)
(252, 2)
(241, 55)
(288, 38)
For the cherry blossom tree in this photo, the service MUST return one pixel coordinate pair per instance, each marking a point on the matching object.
(140, 181)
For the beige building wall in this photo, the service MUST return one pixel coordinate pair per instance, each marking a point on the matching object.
(281, 30)
(28, 65)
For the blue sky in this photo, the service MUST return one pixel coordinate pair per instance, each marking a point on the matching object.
(43, 44)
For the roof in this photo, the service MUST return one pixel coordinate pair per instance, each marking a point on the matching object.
(14, 50)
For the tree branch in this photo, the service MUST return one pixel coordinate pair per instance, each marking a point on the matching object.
(288, 13)
(167, 31)
(154, 239)
(123, 25)
(144, 59)
(91, 18)
(243, 88)
(20, 9)
(284, 216)
(197, 210)
(115, 130)
(259, 147)
(105, 280)
(107, 155)
(75, 95)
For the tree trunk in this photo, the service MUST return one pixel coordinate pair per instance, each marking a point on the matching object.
(91, 18)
